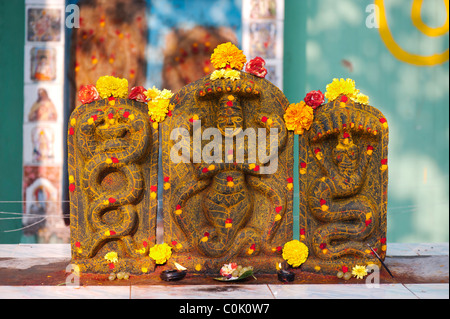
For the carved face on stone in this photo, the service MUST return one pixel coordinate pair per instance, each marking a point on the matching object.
(229, 115)
(346, 153)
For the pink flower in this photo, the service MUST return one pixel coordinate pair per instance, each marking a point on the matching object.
(137, 93)
(88, 94)
(256, 67)
(228, 269)
(314, 99)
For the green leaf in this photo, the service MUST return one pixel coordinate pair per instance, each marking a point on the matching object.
(246, 274)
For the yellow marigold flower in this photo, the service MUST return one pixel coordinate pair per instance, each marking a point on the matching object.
(232, 74)
(361, 98)
(217, 74)
(111, 86)
(299, 117)
(111, 257)
(228, 54)
(158, 104)
(225, 74)
(165, 94)
(341, 86)
(158, 109)
(152, 93)
(359, 271)
(295, 253)
(160, 253)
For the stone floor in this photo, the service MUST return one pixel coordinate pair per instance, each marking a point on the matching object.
(38, 271)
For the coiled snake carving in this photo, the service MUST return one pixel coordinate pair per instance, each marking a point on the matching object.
(112, 142)
(343, 213)
(222, 203)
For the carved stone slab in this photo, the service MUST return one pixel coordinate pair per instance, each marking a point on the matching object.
(227, 203)
(343, 180)
(112, 164)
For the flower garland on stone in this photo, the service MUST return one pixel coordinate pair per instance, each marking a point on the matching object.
(110, 87)
(299, 116)
(228, 60)
(158, 103)
(346, 88)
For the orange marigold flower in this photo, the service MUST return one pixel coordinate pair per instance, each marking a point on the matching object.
(227, 54)
(299, 117)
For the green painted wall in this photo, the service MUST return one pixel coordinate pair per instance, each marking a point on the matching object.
(414, 99)
(12, 30)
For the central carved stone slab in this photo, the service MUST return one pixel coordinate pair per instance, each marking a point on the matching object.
(227, 166)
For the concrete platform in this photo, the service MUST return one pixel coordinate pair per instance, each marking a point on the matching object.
(39, 271)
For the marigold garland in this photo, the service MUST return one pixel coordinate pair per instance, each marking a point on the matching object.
(158, 103)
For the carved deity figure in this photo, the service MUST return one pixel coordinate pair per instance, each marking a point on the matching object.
(343, 186)
(227, 159)
(112, 163)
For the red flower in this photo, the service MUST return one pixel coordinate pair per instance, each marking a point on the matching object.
(323, 246)
(88, 94)
(137, 93)
(72, 187)
(314, 99)
(344, 269)
(256, 67)
(302, 231)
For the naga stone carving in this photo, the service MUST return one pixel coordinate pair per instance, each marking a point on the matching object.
(343, 186)
(112, 163)
(227, 165)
